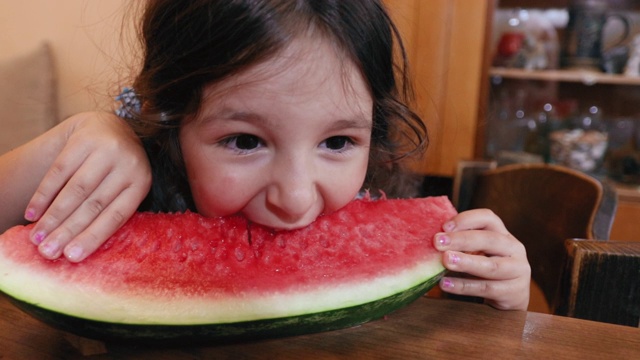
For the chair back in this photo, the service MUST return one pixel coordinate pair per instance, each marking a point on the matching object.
(601, 282)
(543, 205)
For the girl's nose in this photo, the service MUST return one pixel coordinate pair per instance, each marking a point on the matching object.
(293, 191)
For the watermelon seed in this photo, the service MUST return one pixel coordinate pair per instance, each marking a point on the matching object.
(239, 254)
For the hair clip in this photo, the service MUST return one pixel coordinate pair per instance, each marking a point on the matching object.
(130, 104)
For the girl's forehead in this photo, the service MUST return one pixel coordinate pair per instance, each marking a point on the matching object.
(310, 57)
(304, 78)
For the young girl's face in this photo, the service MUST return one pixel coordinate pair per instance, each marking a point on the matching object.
(282, 142)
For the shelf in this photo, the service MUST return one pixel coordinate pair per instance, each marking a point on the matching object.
(579, 76)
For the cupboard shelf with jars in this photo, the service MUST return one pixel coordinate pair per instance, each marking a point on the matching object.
(450, 46)
(558, 91)
(588, 78)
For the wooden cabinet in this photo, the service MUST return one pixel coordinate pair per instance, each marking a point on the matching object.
(617, 96)
(445, 42)
(449, 48)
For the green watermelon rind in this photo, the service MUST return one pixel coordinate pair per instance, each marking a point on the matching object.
(229, 332)
(143, 307)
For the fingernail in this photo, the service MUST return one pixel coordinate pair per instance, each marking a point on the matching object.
(446, 283)
(449, 226)
(454, 258)
(443, 239)
(30, 214)
(38, 237)
(74, 253)
(50, 249)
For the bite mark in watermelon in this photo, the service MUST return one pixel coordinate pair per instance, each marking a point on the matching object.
(178, 276)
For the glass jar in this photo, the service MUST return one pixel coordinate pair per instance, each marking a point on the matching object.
(583, 144)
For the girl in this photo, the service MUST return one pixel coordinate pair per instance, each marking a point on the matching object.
(279, 110)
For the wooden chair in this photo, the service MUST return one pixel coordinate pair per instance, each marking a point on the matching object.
(545, 206)
(601, 282)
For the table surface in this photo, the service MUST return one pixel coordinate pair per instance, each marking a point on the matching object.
(426, 328)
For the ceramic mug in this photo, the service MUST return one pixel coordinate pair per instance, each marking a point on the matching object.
(582, 45)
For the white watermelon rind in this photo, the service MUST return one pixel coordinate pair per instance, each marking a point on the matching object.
(212, 333)
(136, 306)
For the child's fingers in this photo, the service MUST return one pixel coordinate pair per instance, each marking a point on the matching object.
(82, 216)
(490, 268)
(480, 219)
(490, 243)
(477, 243)
(80, 190)
(110, 220)
(104, 210)
(499, 294)
(56, 178)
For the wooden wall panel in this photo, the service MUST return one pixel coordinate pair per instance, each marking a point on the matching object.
(445, 44)
(625, 226)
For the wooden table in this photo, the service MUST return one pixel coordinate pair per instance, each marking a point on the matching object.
(428, 328)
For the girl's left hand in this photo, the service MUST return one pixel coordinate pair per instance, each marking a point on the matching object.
(477, 243)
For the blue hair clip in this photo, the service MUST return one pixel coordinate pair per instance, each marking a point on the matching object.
(130, 105)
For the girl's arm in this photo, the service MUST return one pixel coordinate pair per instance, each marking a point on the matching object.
(80, 181)
(477, 243)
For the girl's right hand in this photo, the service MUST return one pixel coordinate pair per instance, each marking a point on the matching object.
(94, 185)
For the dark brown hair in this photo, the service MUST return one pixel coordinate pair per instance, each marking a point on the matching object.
(188, 44)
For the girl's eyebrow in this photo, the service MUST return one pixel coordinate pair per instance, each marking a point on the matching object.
(357, 122)
(229, 114)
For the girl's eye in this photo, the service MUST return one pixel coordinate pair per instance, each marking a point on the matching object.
(243, 142)
(338, 142)
(247, 142)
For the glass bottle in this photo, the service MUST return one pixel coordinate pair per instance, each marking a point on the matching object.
(545, 122)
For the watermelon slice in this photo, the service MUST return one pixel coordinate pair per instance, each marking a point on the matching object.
(183, 277)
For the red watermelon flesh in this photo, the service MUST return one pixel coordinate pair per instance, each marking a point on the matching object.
(187, 269)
